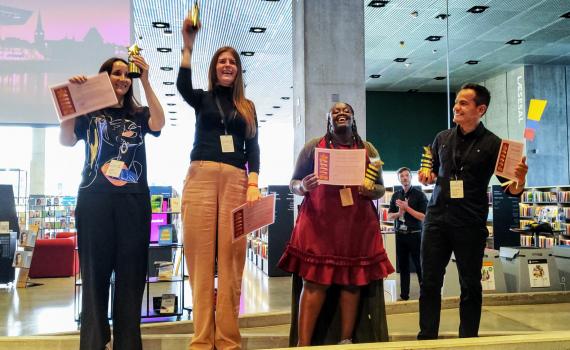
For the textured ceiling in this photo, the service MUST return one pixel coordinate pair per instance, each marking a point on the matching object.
(268, 73)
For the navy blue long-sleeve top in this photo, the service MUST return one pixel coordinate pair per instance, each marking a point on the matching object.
(210, 125)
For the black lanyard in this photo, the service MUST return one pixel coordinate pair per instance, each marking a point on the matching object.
(223, 118)
(459, 168)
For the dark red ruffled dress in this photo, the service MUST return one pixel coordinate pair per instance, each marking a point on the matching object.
(332, 244)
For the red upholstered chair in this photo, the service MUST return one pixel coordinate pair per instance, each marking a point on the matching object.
(55, 257)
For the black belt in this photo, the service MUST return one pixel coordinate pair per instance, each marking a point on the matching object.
(408, 232)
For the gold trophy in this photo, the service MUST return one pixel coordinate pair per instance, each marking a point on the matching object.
(426, 166)
(134, 70)
(194, 16)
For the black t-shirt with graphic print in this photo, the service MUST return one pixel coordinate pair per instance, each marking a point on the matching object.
(113, 134)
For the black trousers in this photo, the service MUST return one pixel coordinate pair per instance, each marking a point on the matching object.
(439, 240)
(113, 232)
(408, 245)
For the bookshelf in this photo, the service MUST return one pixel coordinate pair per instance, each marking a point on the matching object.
(51, 214)
(550, 204)
(265, 246)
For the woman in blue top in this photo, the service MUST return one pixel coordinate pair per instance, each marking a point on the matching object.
(113, 207)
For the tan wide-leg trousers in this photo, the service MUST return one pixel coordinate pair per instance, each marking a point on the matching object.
(211, 191)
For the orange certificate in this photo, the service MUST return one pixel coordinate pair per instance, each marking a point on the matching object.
(250, 217)
(72, 100)
(510, 154)
(344, 167)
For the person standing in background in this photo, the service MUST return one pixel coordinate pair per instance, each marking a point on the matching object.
(407, 209)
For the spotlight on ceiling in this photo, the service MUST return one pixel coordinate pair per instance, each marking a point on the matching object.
(269, 114)
(400, 59)
(375, 76)
(566, 15)
(169, 95)
(167, 69)
(257, 30)
(439, 78)
(285, 97)
(472, 62)
(163, 49)
(434, 38)
(161, 25)
(247, 53)
(171, 104)
(378, 3)
(514, 42)
(168, 82)
(478, 9)
(442, 16)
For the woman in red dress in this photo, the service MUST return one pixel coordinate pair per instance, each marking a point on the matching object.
(337, 245)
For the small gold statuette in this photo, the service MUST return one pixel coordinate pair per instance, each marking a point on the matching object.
(194, 15)
(371, 174)
(134, 70)
(426, 166)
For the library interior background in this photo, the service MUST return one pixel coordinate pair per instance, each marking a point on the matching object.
(399, 63)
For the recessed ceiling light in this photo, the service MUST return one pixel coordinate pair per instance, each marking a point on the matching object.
(244, 70)
(173, 119)
(168, 82)
(414, 14)
(163, 49)
(168, 31)
(161, 25)
(171, 104)
(434, 38)
(262, 120)
(442, 16)
(472, 62)
(434, 51)
(172, 124)
(515, 42)
(285, 97)
(375, 76)
(378, 3)
(566, 15)
(247, 53)
(400, 59)
(413, 90)
(269, 114)
(257, 30)
(478, 9)
(169, 95)
(439, 78)
(172, 112)
(276, 107)
(167, 69)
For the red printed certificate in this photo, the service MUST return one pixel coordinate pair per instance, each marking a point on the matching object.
(344, 167)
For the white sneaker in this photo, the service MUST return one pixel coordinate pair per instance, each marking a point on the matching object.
(345, 341)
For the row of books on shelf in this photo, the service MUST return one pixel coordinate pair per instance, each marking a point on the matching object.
(556, 225)
(52, 201)
(161, 204)
(62, 224)
(51, 213)
(552, 196)
(258, 247)
(543, 241)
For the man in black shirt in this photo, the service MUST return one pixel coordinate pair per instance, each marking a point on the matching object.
(407, 209)
(464, 160)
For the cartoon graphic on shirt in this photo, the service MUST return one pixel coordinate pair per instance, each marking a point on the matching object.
(119, 137)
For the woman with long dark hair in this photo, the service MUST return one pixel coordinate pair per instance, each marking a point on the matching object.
(336, 247)
(223, 175)
(113, 207)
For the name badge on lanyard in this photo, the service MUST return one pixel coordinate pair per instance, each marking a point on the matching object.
(456, 189)
(346, 197)
(227, 142)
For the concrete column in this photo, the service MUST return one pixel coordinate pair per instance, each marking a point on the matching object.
(38, 163)
(328, 64)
